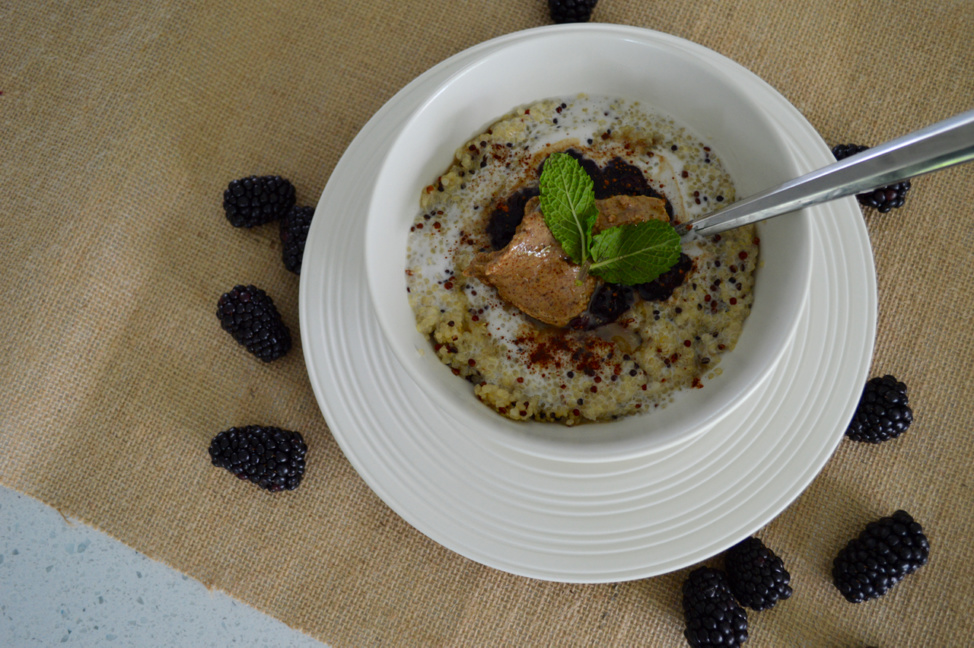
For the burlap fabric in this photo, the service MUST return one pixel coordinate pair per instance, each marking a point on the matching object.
(122, 122)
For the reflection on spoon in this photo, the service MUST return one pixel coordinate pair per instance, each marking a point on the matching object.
(942, 145)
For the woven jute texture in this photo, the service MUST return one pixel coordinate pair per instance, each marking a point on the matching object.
(121, 124)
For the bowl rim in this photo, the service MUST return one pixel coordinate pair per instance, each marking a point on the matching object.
(556, 439)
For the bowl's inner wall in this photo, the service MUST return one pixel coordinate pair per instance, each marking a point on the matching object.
(670, 79)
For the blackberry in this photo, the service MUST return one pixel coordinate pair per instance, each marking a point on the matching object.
(569, 11)
(507, 215)
(757, 576)
(883, 413)
(661, 288)
(270, 457)
(249, 315)
(257, 200)
(617, 178)
(294, 234)
(885, 552)
(882, 199)
(608, 303)
(713, 617)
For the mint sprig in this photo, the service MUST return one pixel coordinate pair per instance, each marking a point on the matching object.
(626, 254)
(568, 205)
(635, 254)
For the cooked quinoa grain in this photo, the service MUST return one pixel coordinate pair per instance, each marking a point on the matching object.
(528, 370)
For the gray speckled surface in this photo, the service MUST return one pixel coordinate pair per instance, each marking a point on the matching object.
(64, 583)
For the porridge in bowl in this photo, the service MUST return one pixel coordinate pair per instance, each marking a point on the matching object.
(537, 337)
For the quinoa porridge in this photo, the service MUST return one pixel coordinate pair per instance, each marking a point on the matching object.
(633, 346)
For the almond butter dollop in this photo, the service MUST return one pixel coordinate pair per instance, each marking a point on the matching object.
(534, 274)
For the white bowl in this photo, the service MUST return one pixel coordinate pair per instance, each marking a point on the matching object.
(670, 75)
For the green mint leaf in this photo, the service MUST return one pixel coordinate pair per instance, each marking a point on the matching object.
(635, 254)
(568, 204)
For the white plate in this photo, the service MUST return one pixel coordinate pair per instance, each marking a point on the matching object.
(554, 519)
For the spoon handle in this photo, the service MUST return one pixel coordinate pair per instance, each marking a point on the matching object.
(935, 147)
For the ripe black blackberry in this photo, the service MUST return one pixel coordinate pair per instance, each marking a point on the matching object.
(270, 457)
(756, 576)
(713, 617)
(885, 552)
(882, 199)
(569, 11)
(294, 234)
(507, 215)
(883, 413)
(661, 288)
(249, 315)
(256, 200)
(608, 303)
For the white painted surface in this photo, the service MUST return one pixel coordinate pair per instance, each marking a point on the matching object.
(64, 583)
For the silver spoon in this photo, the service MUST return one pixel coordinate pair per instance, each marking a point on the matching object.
(933, 148)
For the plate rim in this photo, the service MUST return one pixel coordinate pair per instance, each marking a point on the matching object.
(310, 341)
